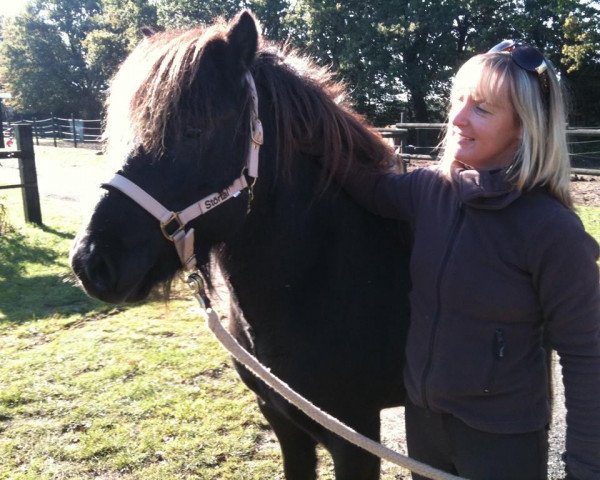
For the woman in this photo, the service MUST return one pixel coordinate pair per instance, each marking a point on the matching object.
(500, 260)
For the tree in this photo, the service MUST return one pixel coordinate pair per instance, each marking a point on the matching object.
(189, 13)
(272, 15)
(2, 22)
(44, 63)
(395, 55)
(117, 31)
(39, 70)
(404, 52)
(59, 55)
(581, 62)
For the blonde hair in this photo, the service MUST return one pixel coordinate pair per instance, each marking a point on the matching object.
(542, 157)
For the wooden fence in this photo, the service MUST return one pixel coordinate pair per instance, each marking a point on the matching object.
(74, 130)
(27, 173)
(414, 141)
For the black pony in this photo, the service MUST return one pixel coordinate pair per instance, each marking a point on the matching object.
(318, 285)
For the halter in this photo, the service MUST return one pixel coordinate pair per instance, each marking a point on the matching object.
(172, 224)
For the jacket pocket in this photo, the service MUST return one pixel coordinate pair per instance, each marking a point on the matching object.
(498, 352)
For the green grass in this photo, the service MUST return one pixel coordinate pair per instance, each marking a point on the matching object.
(591, 219)
(93, 391)
(88, 390)
(139, 393)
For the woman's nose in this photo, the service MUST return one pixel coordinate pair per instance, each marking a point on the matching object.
(459, 114)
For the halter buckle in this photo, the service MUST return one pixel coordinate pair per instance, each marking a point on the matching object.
(257, 133)
(196, 283)
(168, 229)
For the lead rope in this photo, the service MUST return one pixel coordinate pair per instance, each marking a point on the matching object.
(331, 423)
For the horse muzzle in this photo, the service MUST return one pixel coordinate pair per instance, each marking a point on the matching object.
(104, 277)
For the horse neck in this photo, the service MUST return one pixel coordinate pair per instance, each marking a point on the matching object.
(291, 221)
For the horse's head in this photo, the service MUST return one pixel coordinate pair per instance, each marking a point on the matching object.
(179, 117)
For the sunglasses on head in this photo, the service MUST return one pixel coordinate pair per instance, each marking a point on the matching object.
(528, 58)
(525, 56)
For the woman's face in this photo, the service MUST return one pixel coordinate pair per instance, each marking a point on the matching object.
(485, 133)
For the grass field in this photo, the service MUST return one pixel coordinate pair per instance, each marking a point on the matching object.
(591, 219)
(93, 391)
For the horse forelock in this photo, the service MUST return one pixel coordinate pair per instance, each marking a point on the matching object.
(144, 95)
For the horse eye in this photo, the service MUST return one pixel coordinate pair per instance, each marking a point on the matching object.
(193, 132)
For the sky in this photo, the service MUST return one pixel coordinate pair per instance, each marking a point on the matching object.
(9, 8)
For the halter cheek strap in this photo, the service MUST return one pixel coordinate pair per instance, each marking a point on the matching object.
(256, 131)
(172, 224)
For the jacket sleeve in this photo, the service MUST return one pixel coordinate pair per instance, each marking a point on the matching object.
(389, 195)
(566, 276)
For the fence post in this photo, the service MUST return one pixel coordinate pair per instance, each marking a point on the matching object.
(54, 128)
(35, 132)
(1, 127)
(27, 171)
(74, 131)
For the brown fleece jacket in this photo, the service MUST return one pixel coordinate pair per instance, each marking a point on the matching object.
(492, 267)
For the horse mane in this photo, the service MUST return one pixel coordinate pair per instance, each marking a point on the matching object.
(311, 114)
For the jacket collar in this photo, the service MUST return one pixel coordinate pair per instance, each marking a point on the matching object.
(483, 189)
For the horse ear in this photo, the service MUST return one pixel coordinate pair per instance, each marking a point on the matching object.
(243, 37)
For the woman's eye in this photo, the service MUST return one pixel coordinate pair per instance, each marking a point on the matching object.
(480, 109)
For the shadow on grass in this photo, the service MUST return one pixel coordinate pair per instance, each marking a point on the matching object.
(58, 233)
(27, 291)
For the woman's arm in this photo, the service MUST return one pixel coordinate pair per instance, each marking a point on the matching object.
(389, 195)
(566, 276)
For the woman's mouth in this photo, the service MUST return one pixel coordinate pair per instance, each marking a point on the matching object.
(462, 136)
(463, 140)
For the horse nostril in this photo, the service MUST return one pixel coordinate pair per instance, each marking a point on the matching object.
(100, 271)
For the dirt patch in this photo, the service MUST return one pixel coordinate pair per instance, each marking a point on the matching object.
(586, 190)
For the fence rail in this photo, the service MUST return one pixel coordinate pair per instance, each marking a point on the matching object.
(74, 130)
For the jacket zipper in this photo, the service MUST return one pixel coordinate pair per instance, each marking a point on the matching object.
(499, 352)
(451, 242)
